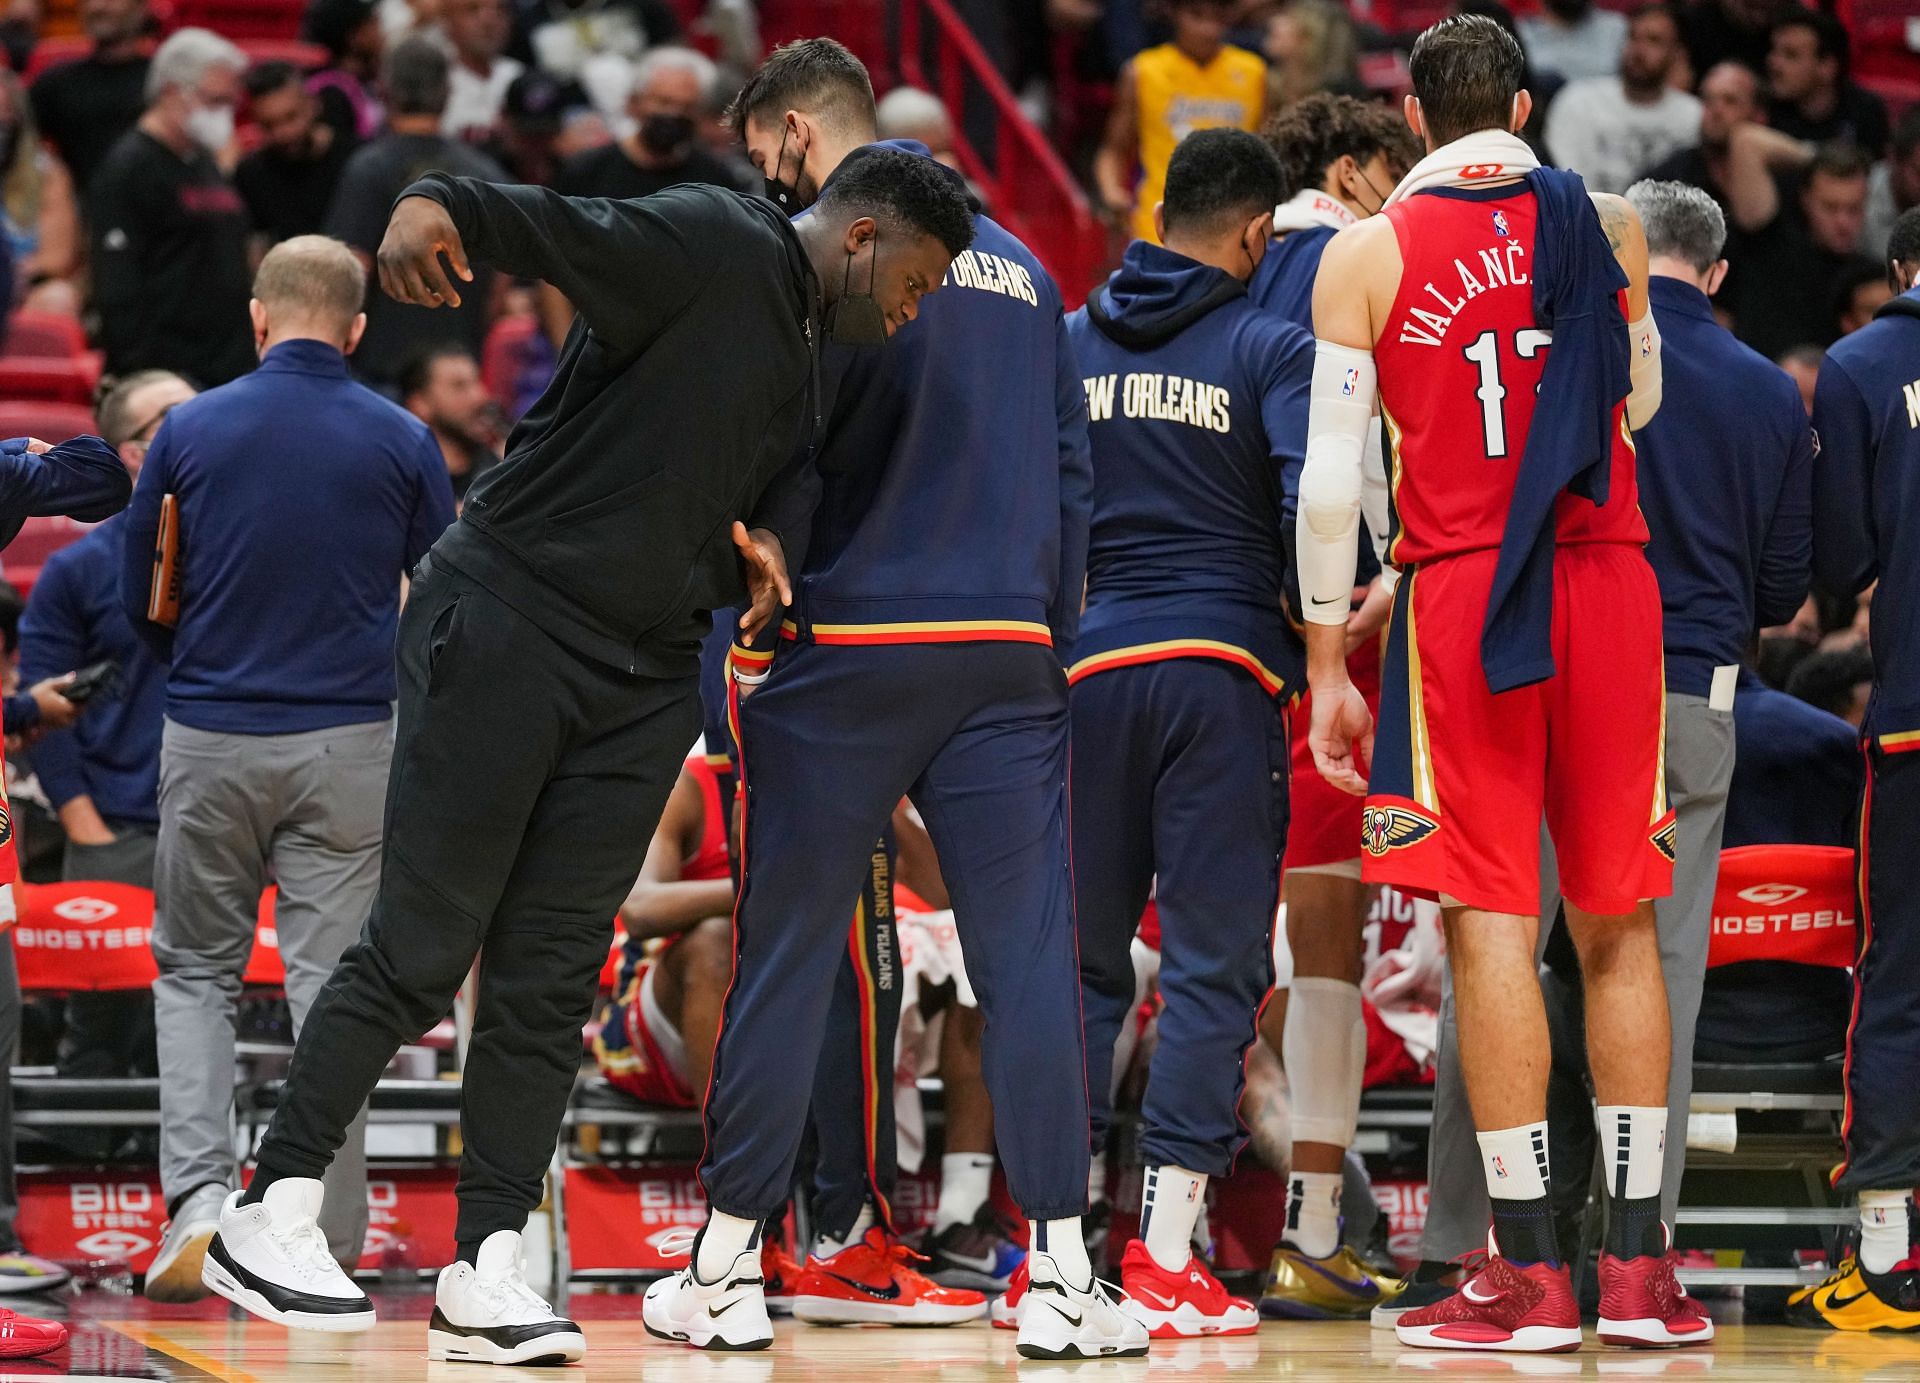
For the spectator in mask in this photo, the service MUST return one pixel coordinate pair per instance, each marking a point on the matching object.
(1574, 38)
(670, 87)
(169, 231)
(442, 388)
(287, 183)
(85, 105)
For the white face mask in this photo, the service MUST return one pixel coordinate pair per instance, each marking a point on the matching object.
(211, 127)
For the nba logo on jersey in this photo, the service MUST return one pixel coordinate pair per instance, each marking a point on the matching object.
(1500, 224)
(1350, 383)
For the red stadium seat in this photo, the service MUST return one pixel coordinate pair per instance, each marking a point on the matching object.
(45, 336)
(241, 20)
(38, 540)
(308, 57)
(1784, 902)
(24, 378)
(51, 422)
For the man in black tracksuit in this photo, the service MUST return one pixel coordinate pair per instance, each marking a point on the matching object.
(548, 661)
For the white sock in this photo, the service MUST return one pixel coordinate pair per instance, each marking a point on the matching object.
(1170, 1206)
(966, 1180)
(1061, 1241)
(1313, 1212)
(1515, 1162)
(725, 1238)
(824, 1247)
(1096, 1181)
(1633, 1140)
(1883, 1229)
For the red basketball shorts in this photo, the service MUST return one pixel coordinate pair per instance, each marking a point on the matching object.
(1323, 823)
(1461, 777)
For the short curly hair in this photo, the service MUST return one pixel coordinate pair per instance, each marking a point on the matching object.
(906, 193)
(1311, 134)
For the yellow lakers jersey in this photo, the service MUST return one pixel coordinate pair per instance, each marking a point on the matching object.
(1175, 96)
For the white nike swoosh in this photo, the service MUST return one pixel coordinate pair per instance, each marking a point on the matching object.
(983, 1264)
(1167, 1302)
(1474, 1296)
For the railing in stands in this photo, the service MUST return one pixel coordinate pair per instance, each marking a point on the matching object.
(927, 44)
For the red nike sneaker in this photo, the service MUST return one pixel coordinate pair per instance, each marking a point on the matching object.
(1643, 1305)
(1006, 1306)
(782, 1276)
(1181, 1305)
(1503, 1306)
(871, 1283)
(25, 1337)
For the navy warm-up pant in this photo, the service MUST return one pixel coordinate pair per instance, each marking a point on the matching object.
(1179, 772)
(1883, 1042)
(854, 1150)
(976, 735)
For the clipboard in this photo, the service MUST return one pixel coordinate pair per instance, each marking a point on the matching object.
(163, 596)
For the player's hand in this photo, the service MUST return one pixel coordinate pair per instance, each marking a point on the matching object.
(56, 712)
(1372, 614)
(409, 257)
(1340, 735)
(36, 447)
(766, 567)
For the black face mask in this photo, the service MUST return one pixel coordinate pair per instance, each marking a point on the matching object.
(785, 195)
(855, 319)
(666, 134)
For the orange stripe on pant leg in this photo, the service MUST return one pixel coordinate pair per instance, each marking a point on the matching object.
(869, 1093)
(1861, 887)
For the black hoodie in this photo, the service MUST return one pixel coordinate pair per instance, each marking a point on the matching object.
(683, 401)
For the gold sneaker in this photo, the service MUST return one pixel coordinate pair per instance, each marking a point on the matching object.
(1340, 1287)
(1853, 1299)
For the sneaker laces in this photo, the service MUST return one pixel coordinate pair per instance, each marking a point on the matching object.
(305, 1249)
(510, 1290)
(676, 1241)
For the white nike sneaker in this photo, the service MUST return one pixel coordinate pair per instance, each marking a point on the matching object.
(728, 1314)
(271, 1259)
(174, 1275)
(486, 1313)
(1061, 1321)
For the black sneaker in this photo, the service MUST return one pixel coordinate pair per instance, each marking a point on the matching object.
(1431, 1282)
(979, 1257)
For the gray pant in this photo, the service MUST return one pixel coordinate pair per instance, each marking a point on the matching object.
(1699, 770)
(231, 806)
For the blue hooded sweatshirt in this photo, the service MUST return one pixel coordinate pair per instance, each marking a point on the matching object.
(1866, 502)
(1197, 402)
(1283, 282)
(953, 464)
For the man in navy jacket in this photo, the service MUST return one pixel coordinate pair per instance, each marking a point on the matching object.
(943, 569)
(303, 499)
(1866, 514)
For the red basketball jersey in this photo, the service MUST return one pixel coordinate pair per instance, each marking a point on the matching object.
(710, 860)
(1460, 362)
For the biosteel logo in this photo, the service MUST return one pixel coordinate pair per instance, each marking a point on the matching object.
(1772, 895)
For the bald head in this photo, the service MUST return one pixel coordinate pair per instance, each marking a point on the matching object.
(310, 286)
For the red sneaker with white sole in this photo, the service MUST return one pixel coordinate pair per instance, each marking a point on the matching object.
(1643, 1305)
(1181, 1305)
(872, 1283)
(1503, 1306)
(26, 1337)
(1006, 1306)
(782, 1276)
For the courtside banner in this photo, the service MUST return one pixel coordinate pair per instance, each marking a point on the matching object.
(410, 1215)
(93, 1216)
(618, 1217)
(1784, 902)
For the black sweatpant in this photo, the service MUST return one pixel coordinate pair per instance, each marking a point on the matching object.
(527, 781)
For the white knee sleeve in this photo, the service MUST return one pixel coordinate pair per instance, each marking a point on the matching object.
(1326, 1056)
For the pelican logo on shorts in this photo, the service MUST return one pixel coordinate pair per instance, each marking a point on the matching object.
(1500, 227)
(1665, 841)
(1389, 828)
(6, 822)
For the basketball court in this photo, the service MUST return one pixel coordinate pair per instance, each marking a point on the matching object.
(121, 1337)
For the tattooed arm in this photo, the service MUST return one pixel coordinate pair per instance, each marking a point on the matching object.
(1622, 225)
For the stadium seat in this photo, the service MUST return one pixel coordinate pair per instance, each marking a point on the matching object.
(50, 422)
(45, 336)
(52, 381)
(37, 540)
(1779, 1121)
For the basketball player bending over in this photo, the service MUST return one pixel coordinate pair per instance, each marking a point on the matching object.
(1487, 312)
